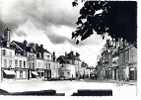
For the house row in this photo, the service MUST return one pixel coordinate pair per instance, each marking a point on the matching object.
(23, 60)
(118, 61)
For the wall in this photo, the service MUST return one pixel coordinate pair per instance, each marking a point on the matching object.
(8, 58)
(47, 56)
(31, 60)
(39, 64)
(54, 66)
(68, 71)
(18, 59)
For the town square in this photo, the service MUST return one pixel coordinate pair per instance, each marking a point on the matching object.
(43, 48)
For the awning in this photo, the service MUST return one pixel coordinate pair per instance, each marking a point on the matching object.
(35, 73)
(9, 72)
(132, 69)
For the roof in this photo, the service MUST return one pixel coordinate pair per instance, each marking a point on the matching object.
(19, 45)
(23, 47)
(45, 50)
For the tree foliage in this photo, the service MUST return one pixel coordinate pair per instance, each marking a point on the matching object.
(117, 18)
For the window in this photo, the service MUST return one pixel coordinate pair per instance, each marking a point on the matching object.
(126, 56)
(4, 52)
(10, 54)
(20, 63)
(21, 74)
(39, 64)
(10, 63)
(16, 63)
(68, 73)
(49, 66)
(24, 63)
(48, 56)
(33, 65)
(5, 63)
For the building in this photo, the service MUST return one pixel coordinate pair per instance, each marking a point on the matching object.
(21, 67)
(54, 69)
(118, 61)
(132, 62)
(7, 62)
(47, 62)
(22, 62)
(67, 71)
(7, 55)
(127, 61)
(70, 65)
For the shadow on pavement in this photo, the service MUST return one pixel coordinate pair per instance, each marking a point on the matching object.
(93, 93)
(33, 93)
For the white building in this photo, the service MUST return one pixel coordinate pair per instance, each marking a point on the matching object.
(24, 59)
(40, 67)
(21, 67)
(67, 71)
(7, 62)
(54, 70)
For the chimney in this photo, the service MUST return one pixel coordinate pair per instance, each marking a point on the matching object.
(65, 54)
(6, 36)
(54, 57)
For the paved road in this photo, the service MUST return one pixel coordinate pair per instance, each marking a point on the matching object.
(67, 87)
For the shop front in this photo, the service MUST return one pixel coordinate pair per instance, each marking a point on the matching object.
(40, 73)
(47, 74)
(21, 73)
(34, 74)
(9, 74)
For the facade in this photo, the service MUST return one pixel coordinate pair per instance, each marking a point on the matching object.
(67, 71)
(7, 62)
(70, 66)
(39, 68)
(21, 68)
(47, 64)
(54, 67)
(118, 62)
(7, 56)
(22, 60)
(132, 63)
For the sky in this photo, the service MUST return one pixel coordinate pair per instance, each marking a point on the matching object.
(49, 22)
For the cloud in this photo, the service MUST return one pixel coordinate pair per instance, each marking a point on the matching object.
(42, 13)
(48, 22)
(45, 12)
